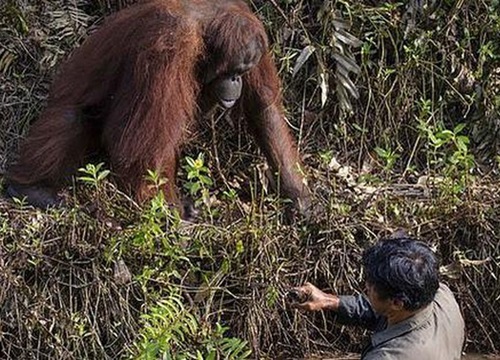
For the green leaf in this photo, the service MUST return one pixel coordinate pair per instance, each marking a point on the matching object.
(381, 152)
(103, 174)
(206, 180)
(195, 188)
(190, 161)
(445, 134)
(463, 139)
(459, 128)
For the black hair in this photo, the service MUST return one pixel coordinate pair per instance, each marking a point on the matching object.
(402, 269)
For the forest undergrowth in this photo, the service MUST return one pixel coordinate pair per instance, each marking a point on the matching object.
(396, 110)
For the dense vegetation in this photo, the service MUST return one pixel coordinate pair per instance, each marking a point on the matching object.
(396, 109)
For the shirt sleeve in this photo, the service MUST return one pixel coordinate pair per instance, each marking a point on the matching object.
(356, 310)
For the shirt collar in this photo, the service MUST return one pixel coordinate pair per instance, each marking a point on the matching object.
(403, 327)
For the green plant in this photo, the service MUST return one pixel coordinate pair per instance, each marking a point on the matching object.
(199, 181)
(170, 331)
(326, 157)
(449, 152)
(389, 157)
(93, 175)
(449, 148)
(160, 222)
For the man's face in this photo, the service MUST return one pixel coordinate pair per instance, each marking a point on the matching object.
(380, 305)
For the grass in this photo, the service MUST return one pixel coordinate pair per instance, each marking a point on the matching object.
(396, 114)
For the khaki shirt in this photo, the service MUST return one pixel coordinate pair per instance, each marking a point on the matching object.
(434, 333)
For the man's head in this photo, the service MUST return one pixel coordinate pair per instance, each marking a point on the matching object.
(400, 273)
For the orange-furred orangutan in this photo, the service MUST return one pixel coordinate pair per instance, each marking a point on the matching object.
(132, 88)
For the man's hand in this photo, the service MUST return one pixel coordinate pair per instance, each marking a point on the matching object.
(309, 297)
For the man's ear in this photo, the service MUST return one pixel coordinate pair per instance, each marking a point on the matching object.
(397, 304)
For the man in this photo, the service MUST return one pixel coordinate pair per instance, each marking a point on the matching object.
(413, 316)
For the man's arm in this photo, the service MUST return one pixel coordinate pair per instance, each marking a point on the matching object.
(357, 310)
(351, 310)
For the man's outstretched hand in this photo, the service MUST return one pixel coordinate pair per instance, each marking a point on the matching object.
(308, 297)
